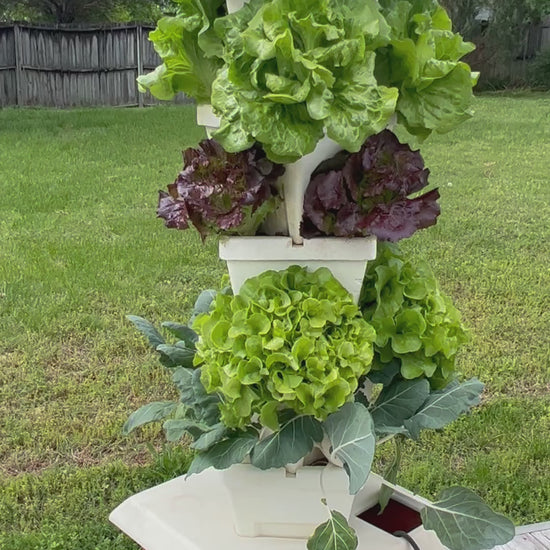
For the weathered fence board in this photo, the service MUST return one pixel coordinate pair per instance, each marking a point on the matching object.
(71, 67)
(8, 84)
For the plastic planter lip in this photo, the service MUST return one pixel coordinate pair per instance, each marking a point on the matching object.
(207, 118)
(235, 5)
(346, 258)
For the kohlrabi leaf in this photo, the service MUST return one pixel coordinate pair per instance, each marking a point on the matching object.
(227, 452)
(386, 375)
(194, 396)
(444, 406)
(462, 521)
(398, 402)
(151, 412)
(176, 428)
(352, 439)
(292, 442)
(148, 330)
(334, 534)
(202, 304)
(183, 332)
(179, 356)
(209, 438)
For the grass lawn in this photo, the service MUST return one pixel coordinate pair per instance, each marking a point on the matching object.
(80, 247)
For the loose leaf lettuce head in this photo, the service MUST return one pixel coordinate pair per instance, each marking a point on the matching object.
(289, 340)
(190, 51)
(297, 68)
(367, 193)
(416, 324)
(219, 192)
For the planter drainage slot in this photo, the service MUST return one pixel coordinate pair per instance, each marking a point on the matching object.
(396, 518)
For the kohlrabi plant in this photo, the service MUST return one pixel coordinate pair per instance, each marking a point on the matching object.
(219, 192)
(347, 433)
(418, 329)
(366, 193)
(289, 340)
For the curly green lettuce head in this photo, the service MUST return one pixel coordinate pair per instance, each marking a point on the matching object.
(422, 60)
(289, 340)
(295, 68)
(414, 321)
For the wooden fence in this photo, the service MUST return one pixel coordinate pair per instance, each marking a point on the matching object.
(57, 66)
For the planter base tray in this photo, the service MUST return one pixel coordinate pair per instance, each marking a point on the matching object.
(195, 514)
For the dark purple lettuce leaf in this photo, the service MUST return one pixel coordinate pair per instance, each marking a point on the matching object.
(366, 193)
(220, 192)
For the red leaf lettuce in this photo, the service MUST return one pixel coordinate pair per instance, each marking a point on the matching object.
(220, 192)
(365, 193)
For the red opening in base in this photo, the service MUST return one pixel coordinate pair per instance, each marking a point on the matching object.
(396, 517)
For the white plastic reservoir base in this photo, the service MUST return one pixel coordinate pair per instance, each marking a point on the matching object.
(195, 514)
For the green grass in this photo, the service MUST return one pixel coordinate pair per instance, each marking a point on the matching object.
(80, 248)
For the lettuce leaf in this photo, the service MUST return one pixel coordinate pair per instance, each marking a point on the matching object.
(422, 60)
(365, 193)
(416, 324)
(219, 192)
(297, 67)
(190, 51)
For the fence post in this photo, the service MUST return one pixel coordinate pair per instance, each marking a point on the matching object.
(139, 59)
(18, 65)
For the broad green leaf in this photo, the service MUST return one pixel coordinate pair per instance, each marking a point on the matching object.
(202, 305)
(462, 521)
(351, 434)
(148, 330)
(194, 396)
(291, 443)
(183, 379)
(390, 474)
(183, 332)
(224, 454)
(386, 374)
(335, 534)
(148, 413)
(398, 402)
(444, 406)
(211, 437)
(180, 357)
(176, 428)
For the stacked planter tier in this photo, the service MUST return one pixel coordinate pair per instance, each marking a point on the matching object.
(196, 514)
(346, 258)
